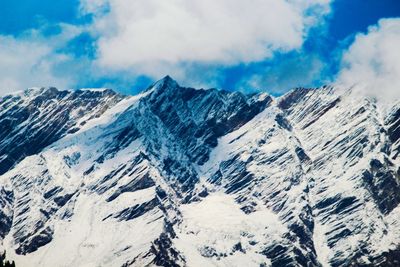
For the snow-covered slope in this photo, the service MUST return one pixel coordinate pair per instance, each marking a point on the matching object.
(33, 119)
(184, 177)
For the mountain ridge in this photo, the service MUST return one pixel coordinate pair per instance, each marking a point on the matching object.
(307, 179)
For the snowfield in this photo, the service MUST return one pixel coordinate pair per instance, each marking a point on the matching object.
(190, 177)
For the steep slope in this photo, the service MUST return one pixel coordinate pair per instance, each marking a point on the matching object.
(35, 118)
(354, 184)
(128, 151)
(178, 176)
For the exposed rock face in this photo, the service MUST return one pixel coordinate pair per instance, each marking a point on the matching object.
(34, 119)
(178, 176)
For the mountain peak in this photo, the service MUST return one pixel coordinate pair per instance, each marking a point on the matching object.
(188, 176)
(165, 82)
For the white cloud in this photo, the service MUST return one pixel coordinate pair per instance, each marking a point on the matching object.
(157, 36)
(29, 60)
(373, 60)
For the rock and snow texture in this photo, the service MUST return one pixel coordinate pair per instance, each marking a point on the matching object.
(183, 177)
(35, 118)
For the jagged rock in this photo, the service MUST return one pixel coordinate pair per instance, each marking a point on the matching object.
(178, 176)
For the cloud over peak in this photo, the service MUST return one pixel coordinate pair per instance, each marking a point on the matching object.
(372, 61)
(30, 60)
(150, 36)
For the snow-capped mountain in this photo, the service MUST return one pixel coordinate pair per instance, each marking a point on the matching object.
(179, 176)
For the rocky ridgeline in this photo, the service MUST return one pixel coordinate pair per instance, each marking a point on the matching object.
(180, 176)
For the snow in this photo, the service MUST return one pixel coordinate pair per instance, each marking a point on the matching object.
(94, 89)
(86, 239)
(218, 222)
(320, 243)
(283, 189)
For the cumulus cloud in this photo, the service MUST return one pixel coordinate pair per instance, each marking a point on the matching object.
(29, 60)
(372, 62)
(193, 40)
(156, 36)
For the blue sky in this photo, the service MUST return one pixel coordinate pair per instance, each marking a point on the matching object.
(81, 43)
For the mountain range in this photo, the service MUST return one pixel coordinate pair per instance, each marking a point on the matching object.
(178, 176)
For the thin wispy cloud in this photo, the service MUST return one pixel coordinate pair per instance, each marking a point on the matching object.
(31, 60)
